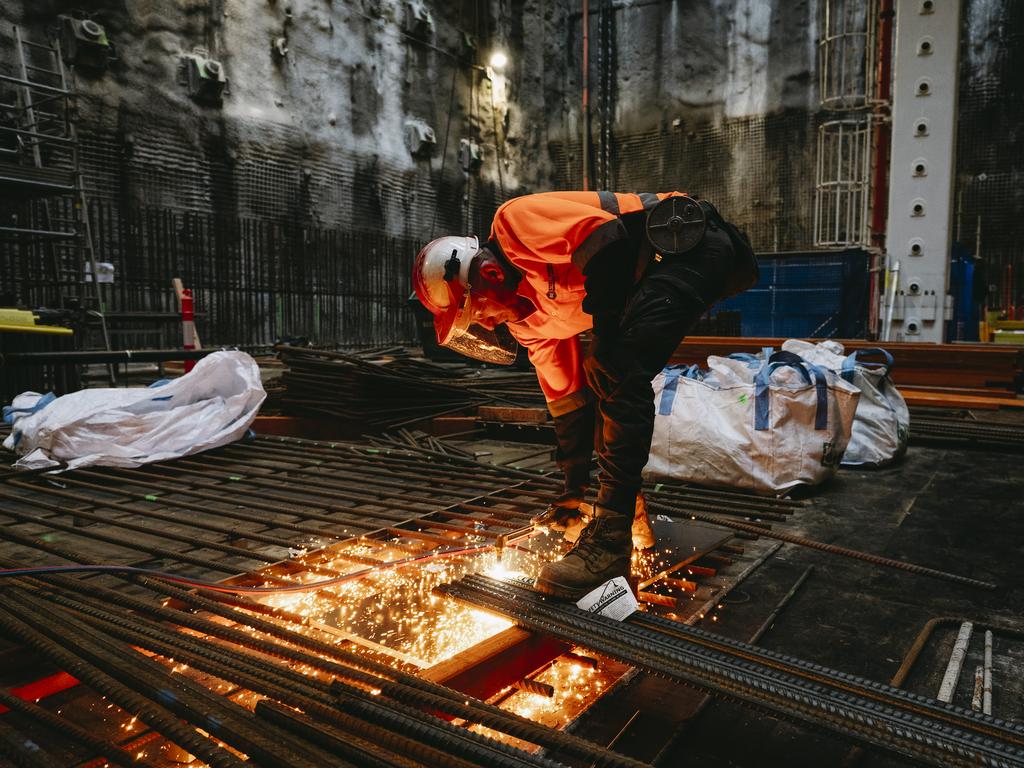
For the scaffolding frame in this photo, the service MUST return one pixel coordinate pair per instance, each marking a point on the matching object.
(848, 53)
(842, 198)
(40, 164)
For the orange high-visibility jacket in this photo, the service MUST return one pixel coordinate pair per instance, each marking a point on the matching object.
(550, 237)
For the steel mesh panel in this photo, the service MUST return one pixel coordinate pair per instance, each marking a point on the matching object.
(758, 171)
(275, 239)
(989, 192)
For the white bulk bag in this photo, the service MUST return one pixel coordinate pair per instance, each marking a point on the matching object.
(212, 405)
(766, 430)
(882, 423)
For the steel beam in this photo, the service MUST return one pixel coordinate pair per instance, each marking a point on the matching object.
(921, 169)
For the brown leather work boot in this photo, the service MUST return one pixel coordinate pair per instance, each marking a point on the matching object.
(602, 552)
(643, 534)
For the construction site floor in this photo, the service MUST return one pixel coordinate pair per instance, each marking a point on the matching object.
(955, 510)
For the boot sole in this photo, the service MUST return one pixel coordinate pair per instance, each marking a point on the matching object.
(553, 588)
(558, 590)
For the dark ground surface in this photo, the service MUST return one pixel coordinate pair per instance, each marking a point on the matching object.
(954, 510)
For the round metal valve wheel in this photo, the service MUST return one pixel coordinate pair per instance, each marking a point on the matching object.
(91, 28)
(675, 225)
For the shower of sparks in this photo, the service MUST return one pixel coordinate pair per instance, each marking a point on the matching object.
(397, 609)
(576, 687)
(394, 616)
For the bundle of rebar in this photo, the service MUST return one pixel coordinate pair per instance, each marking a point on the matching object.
(316, 703)
(960, 429)
(870, 712)
(243, 508)
(390, 388)
(252, 502)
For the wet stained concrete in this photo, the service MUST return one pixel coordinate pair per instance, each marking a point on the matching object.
(954, 510)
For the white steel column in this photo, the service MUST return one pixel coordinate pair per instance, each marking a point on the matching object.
(925, 82)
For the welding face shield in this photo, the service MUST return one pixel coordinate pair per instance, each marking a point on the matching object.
(441, 280)
(459, 331)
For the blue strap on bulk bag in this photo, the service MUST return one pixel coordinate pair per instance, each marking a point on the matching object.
(694, 373)
(668, 393)
(853, 358)
(753, 362)
(811, 374)
(12, 414)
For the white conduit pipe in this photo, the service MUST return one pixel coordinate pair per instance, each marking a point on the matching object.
(987, 700)
(956, 662)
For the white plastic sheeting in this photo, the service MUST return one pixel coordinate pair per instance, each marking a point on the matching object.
(765, 426)
(211, 406)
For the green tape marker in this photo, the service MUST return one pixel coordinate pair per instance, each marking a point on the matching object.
(372, 450)
(234, 477)
(151, 497)
(657, 487)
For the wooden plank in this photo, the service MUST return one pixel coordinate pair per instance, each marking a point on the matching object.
(512, 415)
(297, 426)
(973, 391)
(950, 400)
(441, 426)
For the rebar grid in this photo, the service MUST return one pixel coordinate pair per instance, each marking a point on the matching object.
(905, 723)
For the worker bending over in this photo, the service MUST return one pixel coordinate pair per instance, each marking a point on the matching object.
(638, 270)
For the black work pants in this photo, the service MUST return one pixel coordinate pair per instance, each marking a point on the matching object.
(627, 353)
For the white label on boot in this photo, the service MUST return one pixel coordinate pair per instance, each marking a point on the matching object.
(613, 599)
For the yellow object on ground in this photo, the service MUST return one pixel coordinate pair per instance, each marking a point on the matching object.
(23, 321)
(1008, 337)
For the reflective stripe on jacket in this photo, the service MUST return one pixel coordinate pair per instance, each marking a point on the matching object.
(550, 237)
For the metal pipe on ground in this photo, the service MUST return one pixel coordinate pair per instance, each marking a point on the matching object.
(914, 652)
(986, 705)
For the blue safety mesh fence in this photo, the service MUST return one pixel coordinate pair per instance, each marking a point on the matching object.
(820, 294)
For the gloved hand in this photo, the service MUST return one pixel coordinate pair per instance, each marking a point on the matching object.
(562, 513)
